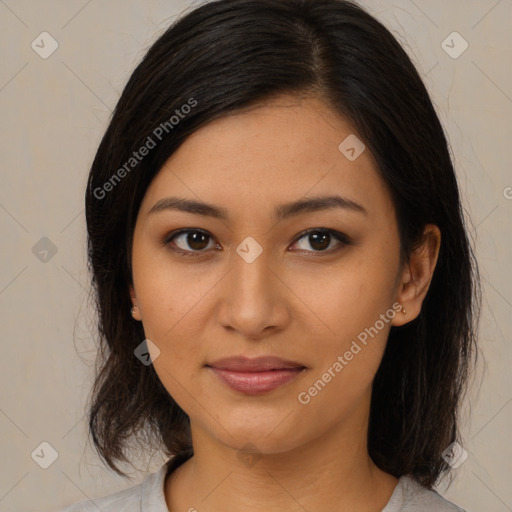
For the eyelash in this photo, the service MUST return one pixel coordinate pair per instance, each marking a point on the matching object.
(342, 238)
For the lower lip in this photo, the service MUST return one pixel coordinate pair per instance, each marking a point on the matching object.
(256, 383)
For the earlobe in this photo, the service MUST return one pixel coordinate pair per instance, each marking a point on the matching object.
(417, 275)
(135, 310)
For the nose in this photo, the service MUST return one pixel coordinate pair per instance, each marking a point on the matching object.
(253, 298)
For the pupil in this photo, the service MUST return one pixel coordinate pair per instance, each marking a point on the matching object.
(318, 241)
(315, 237)
(192, 240)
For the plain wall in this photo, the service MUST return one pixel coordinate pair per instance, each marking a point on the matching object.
(53, 114)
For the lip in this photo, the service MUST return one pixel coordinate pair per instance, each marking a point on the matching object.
(254, 364)
(254, 376)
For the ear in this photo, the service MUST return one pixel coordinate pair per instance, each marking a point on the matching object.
(136, 309)
(417, 275)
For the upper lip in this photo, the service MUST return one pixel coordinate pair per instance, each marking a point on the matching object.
(256, 364)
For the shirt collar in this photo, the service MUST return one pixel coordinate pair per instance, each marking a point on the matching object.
(153, 497)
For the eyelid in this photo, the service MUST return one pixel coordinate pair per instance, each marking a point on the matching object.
(167, 241)
(341, 237)
(338, 235)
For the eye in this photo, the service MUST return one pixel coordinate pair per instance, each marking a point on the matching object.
(195, 239)
(192, 242)
(320, 240)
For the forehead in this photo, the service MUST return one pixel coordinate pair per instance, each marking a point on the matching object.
(277, 152)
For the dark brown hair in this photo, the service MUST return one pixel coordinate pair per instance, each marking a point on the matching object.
(225, 56)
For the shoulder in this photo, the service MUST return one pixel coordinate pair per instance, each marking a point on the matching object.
(147, 496)
(417, 498)
(128, 500)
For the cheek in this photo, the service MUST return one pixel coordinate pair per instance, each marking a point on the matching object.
(345, 364)
(349, 296)
(168, 302)
(354, 302)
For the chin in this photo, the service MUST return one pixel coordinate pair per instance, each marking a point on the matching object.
(270, 435)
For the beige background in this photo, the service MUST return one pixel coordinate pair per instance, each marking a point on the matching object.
(54, 112)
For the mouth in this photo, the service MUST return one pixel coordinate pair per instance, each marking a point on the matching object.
(255, 376)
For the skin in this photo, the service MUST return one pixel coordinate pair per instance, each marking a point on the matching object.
(294, 301)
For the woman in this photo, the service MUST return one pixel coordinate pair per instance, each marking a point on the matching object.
(287, 297)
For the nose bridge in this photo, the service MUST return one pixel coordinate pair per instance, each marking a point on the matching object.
(250, 273)
(251, 300)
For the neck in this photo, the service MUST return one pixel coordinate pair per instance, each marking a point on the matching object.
(330, 473)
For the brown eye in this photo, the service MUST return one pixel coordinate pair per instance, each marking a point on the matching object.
(320, 240)
(189, 240)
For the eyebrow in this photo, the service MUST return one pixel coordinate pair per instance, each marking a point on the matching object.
(281, 212)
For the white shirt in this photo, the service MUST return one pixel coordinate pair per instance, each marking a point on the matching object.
(148, 496)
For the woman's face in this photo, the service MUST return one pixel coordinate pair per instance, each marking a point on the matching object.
(267, 278)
